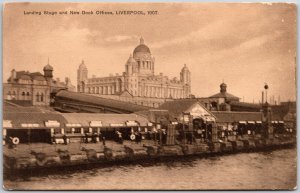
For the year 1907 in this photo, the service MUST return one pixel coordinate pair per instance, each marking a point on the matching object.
(152, 12)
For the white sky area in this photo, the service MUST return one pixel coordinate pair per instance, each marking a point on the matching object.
(246, 45)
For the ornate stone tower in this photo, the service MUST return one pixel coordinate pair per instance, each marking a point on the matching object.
(185, 78)
(144, 59)
(82, 77)
(48, 71)
(131, 66)
(131, 76)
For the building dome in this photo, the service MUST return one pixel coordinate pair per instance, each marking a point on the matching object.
(48, 67)
(223, 85)
(142, 48)
(131, 60)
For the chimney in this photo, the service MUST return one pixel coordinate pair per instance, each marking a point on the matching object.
(262, 97)
(67, 80)
(13, 74)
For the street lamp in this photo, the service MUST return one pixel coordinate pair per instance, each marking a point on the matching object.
(266, 90)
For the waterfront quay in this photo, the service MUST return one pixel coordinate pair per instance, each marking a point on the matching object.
(42, 155)
(40, 137)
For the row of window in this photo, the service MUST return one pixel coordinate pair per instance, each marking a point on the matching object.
(146, 64)
(160, 92)
(39, 97)
(13, 95)
(102, 80)
(102, 90)
(36, 82)
(147, 91)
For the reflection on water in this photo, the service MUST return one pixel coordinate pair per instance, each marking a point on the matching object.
(263, 170)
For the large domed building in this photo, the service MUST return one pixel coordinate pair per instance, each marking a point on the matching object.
(138, 84)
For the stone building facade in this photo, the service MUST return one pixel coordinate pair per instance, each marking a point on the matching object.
(138, 84)
(35, 88)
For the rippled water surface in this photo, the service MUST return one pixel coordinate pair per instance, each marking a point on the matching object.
(263, 170)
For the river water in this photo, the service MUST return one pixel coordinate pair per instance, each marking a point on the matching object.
(260, 170)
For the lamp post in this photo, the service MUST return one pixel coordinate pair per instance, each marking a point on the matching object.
(267, 116)
(266, 91)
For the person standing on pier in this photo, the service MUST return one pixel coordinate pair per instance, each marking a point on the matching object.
(65, 139)
(100, 136)
(103, 141)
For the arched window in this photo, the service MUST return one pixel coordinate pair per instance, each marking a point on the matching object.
(14, 95)
(23, 96)
(28, 96)
(8, 95)
(214, 105)
(37, 97)
(42, 97)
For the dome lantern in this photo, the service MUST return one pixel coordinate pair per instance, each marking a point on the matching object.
(223, 88)
(141, 40)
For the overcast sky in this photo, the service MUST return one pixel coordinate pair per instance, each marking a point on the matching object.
(246, 45)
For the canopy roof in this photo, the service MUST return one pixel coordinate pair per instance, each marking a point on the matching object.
(124, 107)
(84, 119)
(37, 120)
(230, 117)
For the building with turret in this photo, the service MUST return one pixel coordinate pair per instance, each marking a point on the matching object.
(221, 101)
(33, 88)
(138, 84)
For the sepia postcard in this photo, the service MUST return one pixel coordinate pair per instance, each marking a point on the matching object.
(149, 96)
